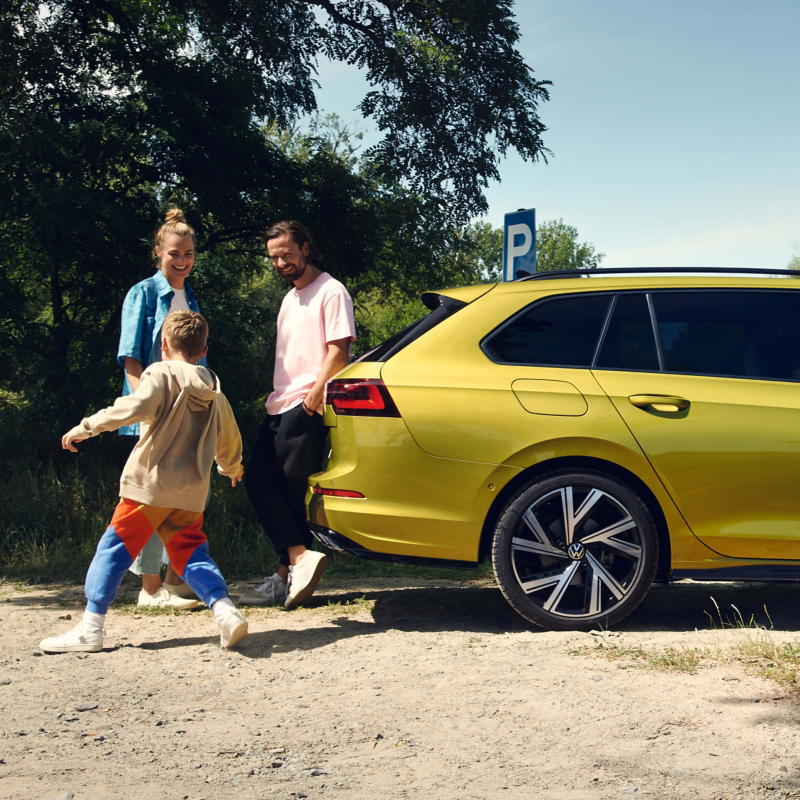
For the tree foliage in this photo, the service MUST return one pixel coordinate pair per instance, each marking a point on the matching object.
(557, 247)
(110, 109)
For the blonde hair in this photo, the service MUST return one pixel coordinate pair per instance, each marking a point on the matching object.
(174, 223)
(186, 332)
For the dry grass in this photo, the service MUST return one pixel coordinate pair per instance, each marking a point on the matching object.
(745, 643)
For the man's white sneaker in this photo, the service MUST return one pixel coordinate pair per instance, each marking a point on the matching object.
(304, 577)
(75, 641)
(164, 599)
(232, 627)
(271, 593)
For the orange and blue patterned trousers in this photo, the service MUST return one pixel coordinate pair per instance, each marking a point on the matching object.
(131, 527)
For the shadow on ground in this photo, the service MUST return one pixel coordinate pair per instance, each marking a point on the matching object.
(684, 606)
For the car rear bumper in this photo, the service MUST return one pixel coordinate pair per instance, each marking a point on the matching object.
(341, 544)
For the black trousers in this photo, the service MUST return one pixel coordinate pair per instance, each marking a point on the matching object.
(289, 448)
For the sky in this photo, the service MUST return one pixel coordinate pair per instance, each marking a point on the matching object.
(674, 128)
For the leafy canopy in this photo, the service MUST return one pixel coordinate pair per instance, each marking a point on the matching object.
(557, 247)
(110, 109)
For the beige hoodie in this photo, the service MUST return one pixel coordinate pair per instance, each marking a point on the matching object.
(187, 423)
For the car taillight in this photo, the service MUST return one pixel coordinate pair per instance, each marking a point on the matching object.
(361, 397)
(337, 492)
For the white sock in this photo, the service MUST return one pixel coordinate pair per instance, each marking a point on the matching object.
(219, 608)
(93, 622)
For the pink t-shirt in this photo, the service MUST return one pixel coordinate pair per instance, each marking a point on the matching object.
(309, 318)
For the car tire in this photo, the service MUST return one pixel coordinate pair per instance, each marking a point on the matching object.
(575, 549)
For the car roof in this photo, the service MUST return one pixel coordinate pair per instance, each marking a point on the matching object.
(616, 279)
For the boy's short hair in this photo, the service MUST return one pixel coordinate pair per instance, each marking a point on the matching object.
(186, 332)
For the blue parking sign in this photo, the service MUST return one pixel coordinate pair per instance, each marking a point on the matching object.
(519, 243)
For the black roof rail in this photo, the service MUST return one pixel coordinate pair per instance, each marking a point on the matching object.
(600, 271)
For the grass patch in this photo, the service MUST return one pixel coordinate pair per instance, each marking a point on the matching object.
(151, 611)
(750, 645)
(672, 659)
(52, 516)
(355, 605)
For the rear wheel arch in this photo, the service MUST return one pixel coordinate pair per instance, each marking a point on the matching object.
(664, 567)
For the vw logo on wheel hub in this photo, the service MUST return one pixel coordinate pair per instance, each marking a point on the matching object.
(576, 551)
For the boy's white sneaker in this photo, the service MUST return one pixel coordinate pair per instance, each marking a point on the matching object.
(75, 641)
(304, 577)
(271, 593)
(163, 598)
(232, 627)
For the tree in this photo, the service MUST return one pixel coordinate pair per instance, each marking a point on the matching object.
(557, 247)
(109, 109)
(794, 261)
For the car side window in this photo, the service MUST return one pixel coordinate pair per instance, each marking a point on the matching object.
(738, 334)
(629, 343)
(562, 332)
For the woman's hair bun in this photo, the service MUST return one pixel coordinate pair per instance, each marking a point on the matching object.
(174, 224)
(174, 215)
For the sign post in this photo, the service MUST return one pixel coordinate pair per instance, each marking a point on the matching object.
(519, 243)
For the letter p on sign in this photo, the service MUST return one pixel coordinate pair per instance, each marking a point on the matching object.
(519, 243)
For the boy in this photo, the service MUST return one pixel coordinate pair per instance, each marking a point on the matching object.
(187, 423)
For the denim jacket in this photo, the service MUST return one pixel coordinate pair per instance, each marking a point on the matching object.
(143, 313)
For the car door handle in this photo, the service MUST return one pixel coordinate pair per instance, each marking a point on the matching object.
(660, 402)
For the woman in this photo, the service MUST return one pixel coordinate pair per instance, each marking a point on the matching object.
(143, 312)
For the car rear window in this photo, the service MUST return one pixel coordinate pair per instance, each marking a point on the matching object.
(559, 332)
(447, 306)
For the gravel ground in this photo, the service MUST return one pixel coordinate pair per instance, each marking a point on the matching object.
(389, 689)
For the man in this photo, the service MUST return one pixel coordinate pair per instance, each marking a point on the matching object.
(315, 330)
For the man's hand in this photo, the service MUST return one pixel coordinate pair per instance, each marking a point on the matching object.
(311, 401)
(67, 441)
(236, 478)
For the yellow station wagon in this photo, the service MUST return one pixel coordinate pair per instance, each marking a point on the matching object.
(591, 431)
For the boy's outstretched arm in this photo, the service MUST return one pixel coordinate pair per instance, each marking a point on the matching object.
(142, 405)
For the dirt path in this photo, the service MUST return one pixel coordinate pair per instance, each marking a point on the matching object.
(420, 689)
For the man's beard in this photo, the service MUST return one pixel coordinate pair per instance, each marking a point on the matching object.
(296, 273)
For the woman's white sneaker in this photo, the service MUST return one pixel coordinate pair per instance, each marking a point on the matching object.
(163, 598)
(75, 641)
(181, 590)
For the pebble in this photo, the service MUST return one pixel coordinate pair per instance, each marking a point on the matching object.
(5, 681)
(65, 616)
(276, 764)
(628, 789)
(36, 652)
(597, 677)
(64, 796)
(86, 706)
(378, 736)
